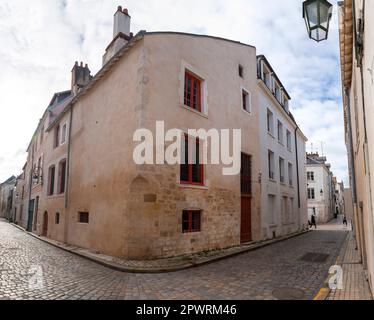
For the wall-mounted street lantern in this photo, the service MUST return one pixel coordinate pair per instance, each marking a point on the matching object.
(317, 15)
(37, 175)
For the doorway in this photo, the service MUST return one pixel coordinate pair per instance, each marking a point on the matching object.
(45, 224)
(31, 215)
(246, 198)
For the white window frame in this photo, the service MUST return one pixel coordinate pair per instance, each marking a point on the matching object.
(63, 134)
(280, 132)
(282, 170)
(249, 100)
(270, 122)
(289, 140)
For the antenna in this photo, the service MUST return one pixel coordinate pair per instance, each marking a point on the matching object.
(322, 144)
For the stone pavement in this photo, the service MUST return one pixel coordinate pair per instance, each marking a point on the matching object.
(32, 269)
(335, 224)
(160, 265)
(355, 285)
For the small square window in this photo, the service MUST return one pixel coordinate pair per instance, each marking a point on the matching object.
(57, 218)
(191, 221)
(241, 71)
(83, 217)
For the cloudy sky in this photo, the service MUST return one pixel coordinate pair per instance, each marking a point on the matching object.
(41, 39)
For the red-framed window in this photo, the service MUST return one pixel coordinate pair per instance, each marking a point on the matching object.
(191, 171)
(191, 221)
(51, 180)
(61, 176)
(192, 91)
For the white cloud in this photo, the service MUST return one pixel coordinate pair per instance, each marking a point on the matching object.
(40, 42)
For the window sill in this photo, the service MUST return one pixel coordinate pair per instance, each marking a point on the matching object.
(271, 135)
(281, 143)
(54, 196)
(289, 149)
(249, 113)
(191, 232)
(192, 186)
(272, 180)
(202, 114)
(273, 225)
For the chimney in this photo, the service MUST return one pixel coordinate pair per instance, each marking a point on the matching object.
(121, 22)
(80, 76)
(121, 33)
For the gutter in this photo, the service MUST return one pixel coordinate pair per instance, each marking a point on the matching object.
(30, 188)
(67, 189)
(297, 169)
(351, 151)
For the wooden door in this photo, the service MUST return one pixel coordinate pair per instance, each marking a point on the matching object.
(246, 198)
(45, 224)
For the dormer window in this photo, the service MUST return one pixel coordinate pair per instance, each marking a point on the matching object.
(278, 93)
(286, 107)
(266, 76)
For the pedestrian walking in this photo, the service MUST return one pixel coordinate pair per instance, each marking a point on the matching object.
(313, 222)
(345, 222)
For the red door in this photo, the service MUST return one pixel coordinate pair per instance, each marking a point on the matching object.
(245, 227)
(246, 199)
(45, 224)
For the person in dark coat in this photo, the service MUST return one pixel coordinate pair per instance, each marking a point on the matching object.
(313, 222)
(345, 222)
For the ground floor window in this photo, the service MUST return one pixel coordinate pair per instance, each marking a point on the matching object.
(57, 218)
(191, 221)
(83, 217)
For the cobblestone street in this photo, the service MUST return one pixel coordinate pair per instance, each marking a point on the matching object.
(252, 275)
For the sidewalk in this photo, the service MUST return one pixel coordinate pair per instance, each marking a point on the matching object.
(160, 265)
(355, 285)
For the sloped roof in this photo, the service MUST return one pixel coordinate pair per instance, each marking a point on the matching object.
(9, 180)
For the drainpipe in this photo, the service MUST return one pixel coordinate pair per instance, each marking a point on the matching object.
(30, 187)
(68, 177)
(297, 168)
(351, 152)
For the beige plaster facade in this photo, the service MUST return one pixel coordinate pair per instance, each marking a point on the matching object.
(112, 205)
(357, 62)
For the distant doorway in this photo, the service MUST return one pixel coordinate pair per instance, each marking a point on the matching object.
(45, 224)
(31, 215)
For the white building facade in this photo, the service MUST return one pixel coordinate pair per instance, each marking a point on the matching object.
(283, 184)
(339, 198)
(319, 188)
